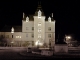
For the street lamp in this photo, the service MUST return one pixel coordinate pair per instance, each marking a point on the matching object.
(68, 37)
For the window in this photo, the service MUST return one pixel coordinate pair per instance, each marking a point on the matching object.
(18, 36)
(26, 35)
(32, 28)
(39, 24)
(39, 14)
(39, 35)
(49, 35)
(49, 28)
(39, 30)
(32, 35)
(12, 36)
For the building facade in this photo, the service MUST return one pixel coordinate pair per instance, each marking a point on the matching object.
(36, 30)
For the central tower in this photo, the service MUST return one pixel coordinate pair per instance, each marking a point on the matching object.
(39, 26)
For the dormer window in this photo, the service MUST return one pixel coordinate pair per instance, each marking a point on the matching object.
(12, 30)
(39, 14)
(27, 19)
(49, 19)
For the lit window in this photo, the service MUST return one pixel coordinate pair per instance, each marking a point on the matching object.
(18, 36)
(39, 24)
(49, 28)
(39, 35)
(39, 30)
(49, 35)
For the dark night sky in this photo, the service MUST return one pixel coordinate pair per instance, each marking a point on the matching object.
(66, 13)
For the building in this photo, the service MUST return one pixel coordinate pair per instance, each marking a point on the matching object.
(35, 30)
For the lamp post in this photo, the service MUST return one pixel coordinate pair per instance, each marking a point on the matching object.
(68, 39)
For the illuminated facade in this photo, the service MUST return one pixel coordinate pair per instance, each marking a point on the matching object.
(35, 30)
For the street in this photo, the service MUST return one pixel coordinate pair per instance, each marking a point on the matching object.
(14, 53)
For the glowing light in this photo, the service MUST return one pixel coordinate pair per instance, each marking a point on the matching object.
(38, 43)
(68, 37)
(18, 36)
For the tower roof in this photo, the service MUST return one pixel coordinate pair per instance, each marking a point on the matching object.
(39, 8)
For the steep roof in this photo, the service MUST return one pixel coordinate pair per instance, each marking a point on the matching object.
(39, 8)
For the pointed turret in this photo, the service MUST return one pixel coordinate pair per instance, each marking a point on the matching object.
(39, 8)
(24, 17)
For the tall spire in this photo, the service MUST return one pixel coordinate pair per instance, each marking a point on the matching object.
(23, 16)
(39, 5)
(52, 15)
(39, 8)
(39, 2)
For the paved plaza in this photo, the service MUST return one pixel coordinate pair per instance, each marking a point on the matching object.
(22, 54)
